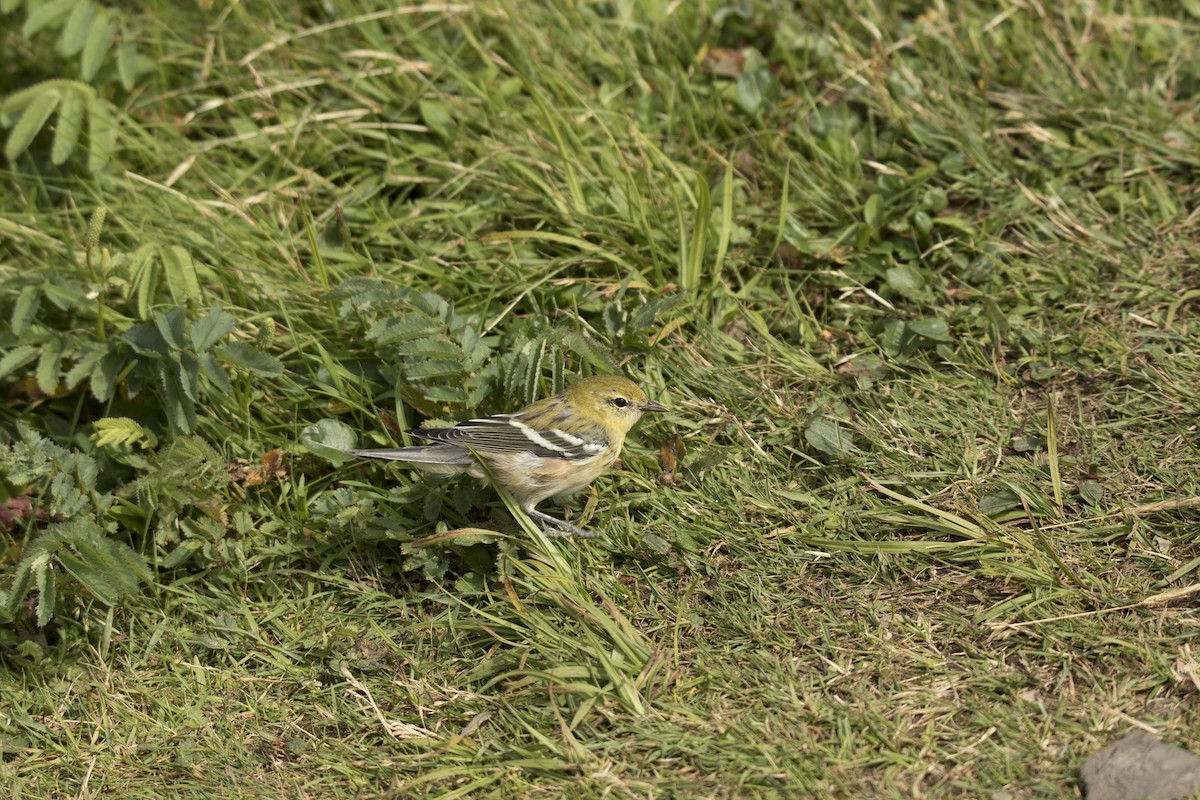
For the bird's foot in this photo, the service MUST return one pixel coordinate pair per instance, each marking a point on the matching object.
(564, 528)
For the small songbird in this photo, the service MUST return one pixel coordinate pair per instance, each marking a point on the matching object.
(552, 447)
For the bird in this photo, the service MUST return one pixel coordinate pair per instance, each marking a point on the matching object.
(553, 447)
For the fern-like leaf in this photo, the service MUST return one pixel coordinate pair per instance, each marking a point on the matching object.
(122, 433)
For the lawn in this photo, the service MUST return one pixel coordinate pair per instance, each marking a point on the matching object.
(917, 281)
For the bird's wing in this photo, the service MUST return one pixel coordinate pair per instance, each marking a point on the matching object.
(506, 433)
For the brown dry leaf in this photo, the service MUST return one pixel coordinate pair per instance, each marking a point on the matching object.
(270, 468)
(15, 510)
(670, 454)
(239, 468)
(725, 62)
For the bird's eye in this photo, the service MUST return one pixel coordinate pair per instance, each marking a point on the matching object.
(620, 402)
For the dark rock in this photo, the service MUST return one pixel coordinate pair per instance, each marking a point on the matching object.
(1140, 767)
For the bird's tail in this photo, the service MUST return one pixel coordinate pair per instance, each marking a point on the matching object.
(439, 458)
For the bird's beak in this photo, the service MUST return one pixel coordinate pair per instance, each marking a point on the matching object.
(651, 405)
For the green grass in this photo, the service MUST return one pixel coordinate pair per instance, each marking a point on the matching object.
(919, 286)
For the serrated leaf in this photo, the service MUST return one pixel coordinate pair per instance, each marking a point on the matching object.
(181, 412)
(70, 125)
(146, 340)
(18, 357)
(84, 366)
(22, 578)
(329, 439)
(431, 347)
(95, 48)
(214, 326)
(92, 578)
(182, 553)
(104, 377)
(181, 275)
(75, 29)
(143, 274)
(42, 14)
(102, 134)
(403, 328)
(433, 368)
(245, 356)
(44, 577)
(16, 102)
(445, 394)
(592, 352)
(25, 309)
(189, 376)
(49, 368)
(122, 432)
(32, 120)
(830, 437)
(172, 326)
(214, 372)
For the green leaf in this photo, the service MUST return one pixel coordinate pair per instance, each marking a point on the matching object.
(49, 368)
(70, 125)
(172, 326)
(905, 279)
(18, 357)
(104, 376)
(76, 28)
(143, 274)
(42, 14)
(182, 553)
(181, 274)
(445, 394)
(99, 39)
(873, 212)
(44, 578)
(127, 61)
(102, 134)
(122, 433)
(436, 116)
(189, 376)
(431, 347)
(403, 328)
(22, 578)
(25, 309)
(145, 340)
(433, 368)
(84, 366)
(932, 328)
(31, 122)
(329, 439)
(215, 326)
(754, 89)
(181, 412)
(248, 357)
(992, 505)
(214, 372)
(934, 201)
(896, 338)
(829, 437)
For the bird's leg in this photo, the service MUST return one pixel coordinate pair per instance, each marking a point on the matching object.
(564, 528)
